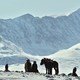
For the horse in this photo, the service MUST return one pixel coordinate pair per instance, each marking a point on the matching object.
(49, 64)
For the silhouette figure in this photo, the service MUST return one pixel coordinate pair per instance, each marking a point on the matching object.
(34, 67)
(28, 66)
(49, 64)
(74, 72)
(6, 68)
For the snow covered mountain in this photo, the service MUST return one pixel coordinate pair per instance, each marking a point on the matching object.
(42, 36)
(73, 52)
(11, 54)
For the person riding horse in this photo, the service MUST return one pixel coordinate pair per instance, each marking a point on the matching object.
(49, 64)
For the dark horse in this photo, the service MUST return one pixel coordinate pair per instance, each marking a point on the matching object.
(49, 64)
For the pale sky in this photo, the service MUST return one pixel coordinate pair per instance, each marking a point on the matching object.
(15, 8)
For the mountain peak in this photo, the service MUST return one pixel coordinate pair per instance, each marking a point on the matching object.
(29, 15)
(25, 16)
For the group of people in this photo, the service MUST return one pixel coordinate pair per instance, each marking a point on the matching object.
(31, 67)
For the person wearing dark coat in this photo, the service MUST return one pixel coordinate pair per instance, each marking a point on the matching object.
(74, 72)
(34, 67)
(6, 68)
(28, 66)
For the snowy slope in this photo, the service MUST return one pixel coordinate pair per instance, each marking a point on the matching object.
(9, 52)
(12, 54)
(42, 36)
(73, 52)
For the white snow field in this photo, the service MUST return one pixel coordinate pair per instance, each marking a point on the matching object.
(32, 76)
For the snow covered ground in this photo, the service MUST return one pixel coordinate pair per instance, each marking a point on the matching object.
(32, 76)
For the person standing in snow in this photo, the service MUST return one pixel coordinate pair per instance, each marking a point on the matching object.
(74, 72)
(28, 66)
(34, 67)
(6, 68)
